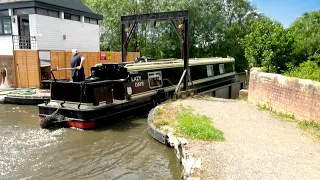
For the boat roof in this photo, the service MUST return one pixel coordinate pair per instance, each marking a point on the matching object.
(176, 63)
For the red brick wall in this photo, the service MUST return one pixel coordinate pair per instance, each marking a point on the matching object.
(7, 62)
(288, 95)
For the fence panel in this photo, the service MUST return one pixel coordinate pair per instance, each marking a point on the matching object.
(68, 65)
(28, 64)
(27, 68)
(58, 60)
(116, 57)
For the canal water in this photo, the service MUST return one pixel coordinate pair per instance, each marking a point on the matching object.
(123, 150)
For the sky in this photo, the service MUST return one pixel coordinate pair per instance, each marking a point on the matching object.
(285, 11)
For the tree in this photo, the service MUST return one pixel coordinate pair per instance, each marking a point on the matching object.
(306, 31)
(215, 29)
(268, 45)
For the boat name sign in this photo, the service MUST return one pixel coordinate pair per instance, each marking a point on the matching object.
(138, 81)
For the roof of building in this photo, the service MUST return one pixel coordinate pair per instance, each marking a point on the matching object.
(77, 5)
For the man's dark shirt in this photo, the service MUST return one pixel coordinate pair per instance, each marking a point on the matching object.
(77, 75)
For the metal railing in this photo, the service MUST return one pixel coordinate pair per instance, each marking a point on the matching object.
(24, 42)
(243, 77)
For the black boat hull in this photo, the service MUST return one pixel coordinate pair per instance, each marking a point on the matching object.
(88, 104)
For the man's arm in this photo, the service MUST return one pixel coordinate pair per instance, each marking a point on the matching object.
(81, 63)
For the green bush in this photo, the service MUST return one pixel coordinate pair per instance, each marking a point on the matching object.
(306, 70)
(268, 46)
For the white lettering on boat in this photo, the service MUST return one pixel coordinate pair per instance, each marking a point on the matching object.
(136, 78)
(139, 84)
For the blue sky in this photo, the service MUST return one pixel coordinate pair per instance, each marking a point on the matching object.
(285, 11)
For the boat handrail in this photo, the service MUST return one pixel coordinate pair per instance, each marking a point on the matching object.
(59, 69)
(179, 61)
(152, 63)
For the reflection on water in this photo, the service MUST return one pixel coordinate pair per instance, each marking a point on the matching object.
(120, 151)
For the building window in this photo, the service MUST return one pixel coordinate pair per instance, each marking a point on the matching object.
(87, 20)
(46, 12)
(53, 13)
(75, 18)
(91, 21)
(71, 17)
(4, 13)
(42, 11)
(5, 26)
(67, 16)
(24, 11)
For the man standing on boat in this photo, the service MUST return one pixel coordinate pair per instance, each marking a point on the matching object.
(77, 62)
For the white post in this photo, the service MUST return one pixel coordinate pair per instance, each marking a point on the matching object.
(61, 15)
(10, 12)
(82, 19)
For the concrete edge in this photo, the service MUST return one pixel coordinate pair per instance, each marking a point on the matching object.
(31, 100)
(191, 165)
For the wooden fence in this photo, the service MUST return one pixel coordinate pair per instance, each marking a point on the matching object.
(27, 67)
(28, 71)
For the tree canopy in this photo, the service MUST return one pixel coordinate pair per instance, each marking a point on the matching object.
(306, 31)
(268, 45)
(218, 28)
(215, 30)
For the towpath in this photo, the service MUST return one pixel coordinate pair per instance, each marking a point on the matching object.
(257, 145)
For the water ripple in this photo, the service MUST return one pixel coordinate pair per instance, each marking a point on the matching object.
(120, 151)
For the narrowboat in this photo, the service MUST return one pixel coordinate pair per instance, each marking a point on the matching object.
(118, 88)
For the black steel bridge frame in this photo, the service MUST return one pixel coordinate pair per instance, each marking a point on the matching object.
(132, 21)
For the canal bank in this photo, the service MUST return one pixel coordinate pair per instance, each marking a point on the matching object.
(257, 145)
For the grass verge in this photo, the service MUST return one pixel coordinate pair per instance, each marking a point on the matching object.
(197, 126)
(279, 115)
(311, 127)
(184, 121)
(285, 117)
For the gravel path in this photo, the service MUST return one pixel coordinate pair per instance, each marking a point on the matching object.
(257, 146)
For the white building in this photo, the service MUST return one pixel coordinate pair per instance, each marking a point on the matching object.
(48, 25)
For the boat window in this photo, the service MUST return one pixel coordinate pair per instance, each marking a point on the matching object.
(210, 71)
(221, 68)
(155, 79)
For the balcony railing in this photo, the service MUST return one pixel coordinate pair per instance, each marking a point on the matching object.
(24, 42)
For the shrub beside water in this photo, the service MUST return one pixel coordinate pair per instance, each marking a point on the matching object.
(306, 70)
